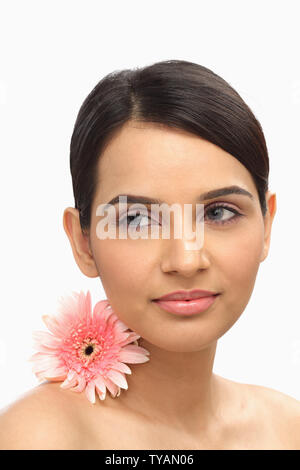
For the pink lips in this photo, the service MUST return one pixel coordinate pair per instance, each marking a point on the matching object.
(187, 302)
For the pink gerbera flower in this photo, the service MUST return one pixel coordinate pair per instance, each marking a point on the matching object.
(86, 349)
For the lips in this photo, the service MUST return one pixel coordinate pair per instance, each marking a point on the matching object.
(187, 302)
(187, 295)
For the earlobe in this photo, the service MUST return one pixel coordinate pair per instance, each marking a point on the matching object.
(79, 243)
(268, 221)
(272, 204)
(264, 253)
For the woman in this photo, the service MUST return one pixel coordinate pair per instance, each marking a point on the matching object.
(178, 133)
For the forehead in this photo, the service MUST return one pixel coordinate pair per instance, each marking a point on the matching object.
(155, 160)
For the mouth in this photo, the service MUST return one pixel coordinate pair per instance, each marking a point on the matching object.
(187, 307)
(187, 295)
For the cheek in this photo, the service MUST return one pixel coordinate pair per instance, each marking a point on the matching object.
(238, 263)
(125, 269)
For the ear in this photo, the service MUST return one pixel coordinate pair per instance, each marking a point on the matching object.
(80, 242)
(268, 221)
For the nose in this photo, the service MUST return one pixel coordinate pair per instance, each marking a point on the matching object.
(179, 258)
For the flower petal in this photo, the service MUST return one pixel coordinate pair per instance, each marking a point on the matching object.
(101, 395)
(133, 336)
(72, 374)
(120, 326)
(129, 338)
(43, 338)
(133, 356)
(100, 384)
(102, 312)
(71, 380)
(118, 378)
(134, 348)
(99, 308)
(46, 350)
(40, 376)
(54, 326)
(68, 308)
(58, 378)
(80, 386)
(112, 387)
(83, 303)
(121, 367)
(44, 361)
(90, 392)
(57, 373)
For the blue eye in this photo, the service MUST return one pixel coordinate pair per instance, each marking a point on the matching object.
(135, 220)
(218, 209)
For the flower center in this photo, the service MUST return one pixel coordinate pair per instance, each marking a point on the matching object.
(89, 350)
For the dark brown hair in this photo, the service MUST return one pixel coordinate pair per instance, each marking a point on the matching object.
(175, 93)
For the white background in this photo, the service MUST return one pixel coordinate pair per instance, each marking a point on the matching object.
(52, 54)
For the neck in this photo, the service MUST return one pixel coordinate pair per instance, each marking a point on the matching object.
(174, 388)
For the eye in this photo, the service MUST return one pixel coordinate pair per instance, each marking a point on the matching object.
(136, 219)
(217, 211)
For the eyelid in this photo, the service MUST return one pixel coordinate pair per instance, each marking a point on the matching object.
(236, 214)
(148, 214)
(221, 203)
(134, 214)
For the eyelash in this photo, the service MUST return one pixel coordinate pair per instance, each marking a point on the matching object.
(236, 213)
(210, 208)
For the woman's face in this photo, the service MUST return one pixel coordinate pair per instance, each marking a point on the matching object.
(177, 167)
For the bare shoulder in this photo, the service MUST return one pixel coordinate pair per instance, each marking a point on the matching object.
(279, 403)
(280, 412)
(43, 418)
(265, 418)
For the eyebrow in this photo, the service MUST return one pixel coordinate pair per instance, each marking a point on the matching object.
(214, 193)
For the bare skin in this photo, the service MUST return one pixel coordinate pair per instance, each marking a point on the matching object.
(48, 417)
(174, 401)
